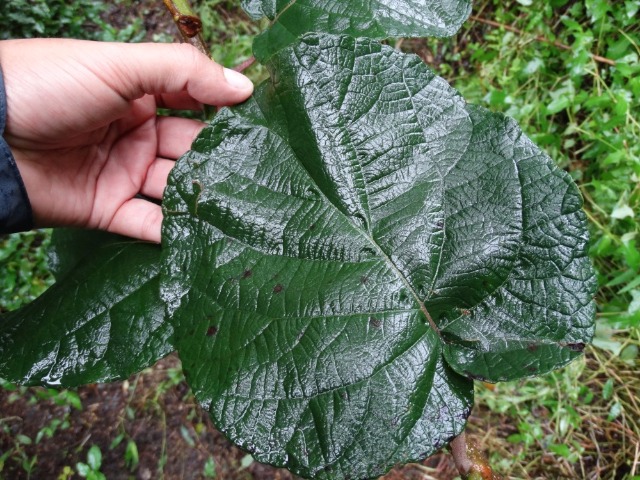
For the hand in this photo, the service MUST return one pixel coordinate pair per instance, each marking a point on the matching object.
(83, 128)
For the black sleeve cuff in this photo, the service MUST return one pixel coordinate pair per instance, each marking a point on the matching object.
(15, 208)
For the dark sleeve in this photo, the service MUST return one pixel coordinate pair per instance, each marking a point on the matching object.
(15, 209)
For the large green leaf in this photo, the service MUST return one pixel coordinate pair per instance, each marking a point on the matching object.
(70, 246)
(345, 250)
(102, 321)
(377, 19)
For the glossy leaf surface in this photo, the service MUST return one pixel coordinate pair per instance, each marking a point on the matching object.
(103, 321)
(70, 246)
(377, 19)
(344, 250)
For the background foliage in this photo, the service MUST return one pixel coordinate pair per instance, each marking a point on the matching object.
(58, 18)
(580, 422)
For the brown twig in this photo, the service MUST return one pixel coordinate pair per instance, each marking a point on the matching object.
(539, 38)
(188, 23)
(244, 65)
(470, 461)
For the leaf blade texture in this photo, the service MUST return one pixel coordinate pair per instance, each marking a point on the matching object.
(335, 248)
(70, 246)
(102, 321)
(378, 19)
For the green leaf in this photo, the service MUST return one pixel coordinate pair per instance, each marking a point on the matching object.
(116, 441)
(560, 449)
(345, 249)
(94, 457)
(622, 211)
(246, 462)
(614, 411)
(209, 469)
(131, 457)
(379, 19)
(103, 321)
(69, 246)
(607, 389)
(23, 439)
(83, 469)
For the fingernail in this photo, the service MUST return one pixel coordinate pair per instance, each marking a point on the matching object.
(237, 80)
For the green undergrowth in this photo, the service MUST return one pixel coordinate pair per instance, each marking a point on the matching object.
(548, 65)
(229, 33)
(25, 272)
(84, 19)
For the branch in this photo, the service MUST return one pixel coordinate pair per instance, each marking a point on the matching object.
(188, 23)
(539, 38)
(470, 461)
(244, 65)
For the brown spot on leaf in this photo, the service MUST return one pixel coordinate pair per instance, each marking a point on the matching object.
(532, 347)
(246, 274)
(364, 279)
(278, 288)
(212, 330)
(375, 322)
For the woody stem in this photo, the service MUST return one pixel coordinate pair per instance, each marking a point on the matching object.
(188, 23)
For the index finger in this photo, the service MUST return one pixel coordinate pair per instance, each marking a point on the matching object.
(155, 68)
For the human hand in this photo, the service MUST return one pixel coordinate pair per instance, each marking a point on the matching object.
(83, 129)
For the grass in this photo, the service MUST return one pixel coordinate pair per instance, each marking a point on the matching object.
(548, 65)
(25, 272)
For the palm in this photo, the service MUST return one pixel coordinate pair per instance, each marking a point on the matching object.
(92, 181)
(94, 148)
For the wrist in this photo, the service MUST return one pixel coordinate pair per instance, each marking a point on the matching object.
(15, 208)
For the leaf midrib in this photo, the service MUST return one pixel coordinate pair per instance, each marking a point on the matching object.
(404, 281)
(393, 267)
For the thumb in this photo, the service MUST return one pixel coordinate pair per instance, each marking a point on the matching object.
(156, 68)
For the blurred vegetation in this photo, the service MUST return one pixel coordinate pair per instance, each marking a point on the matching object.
(229, 34)
(569, 72)
(82, 19)
(25, 272)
